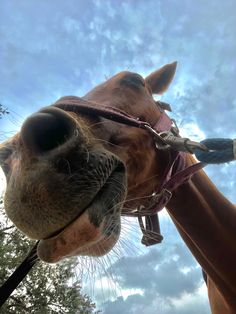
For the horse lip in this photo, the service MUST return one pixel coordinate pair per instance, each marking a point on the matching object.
(82, 233)
(119, 167)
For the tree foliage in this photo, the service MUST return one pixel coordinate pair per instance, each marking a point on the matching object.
(47, 289)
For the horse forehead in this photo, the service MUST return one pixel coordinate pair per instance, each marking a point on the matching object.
(118, 82)
(119, 76)
(128, 92)
(121, 90)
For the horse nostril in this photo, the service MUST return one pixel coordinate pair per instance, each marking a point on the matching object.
(47, 129)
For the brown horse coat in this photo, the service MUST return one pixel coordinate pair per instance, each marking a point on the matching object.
(70, 175)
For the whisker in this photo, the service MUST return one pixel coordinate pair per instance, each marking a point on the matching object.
(99, 123)
(107, 142)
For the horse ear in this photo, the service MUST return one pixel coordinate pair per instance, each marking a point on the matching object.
(160, 80)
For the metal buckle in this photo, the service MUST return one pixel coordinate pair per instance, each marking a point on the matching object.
(171, 140)
(181, 144)
(167, 193)
(157, 202)
(175, 128)
(159, 141)
(152, 208)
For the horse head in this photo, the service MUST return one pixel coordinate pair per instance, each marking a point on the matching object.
(70, 174)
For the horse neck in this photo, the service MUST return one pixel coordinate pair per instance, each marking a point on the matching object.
(206, 222)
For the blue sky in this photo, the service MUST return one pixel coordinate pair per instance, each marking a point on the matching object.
(53, 48)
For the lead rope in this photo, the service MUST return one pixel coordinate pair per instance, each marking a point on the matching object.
(220, 150)
(18, 275)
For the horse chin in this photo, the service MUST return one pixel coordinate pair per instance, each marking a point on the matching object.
(95, 231)
(81, 238)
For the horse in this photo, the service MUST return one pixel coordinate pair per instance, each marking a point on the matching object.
(72, 173)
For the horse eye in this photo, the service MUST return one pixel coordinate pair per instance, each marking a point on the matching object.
(5, 152)
(133, 80)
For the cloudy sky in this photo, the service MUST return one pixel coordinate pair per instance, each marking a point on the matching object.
(53, 48)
